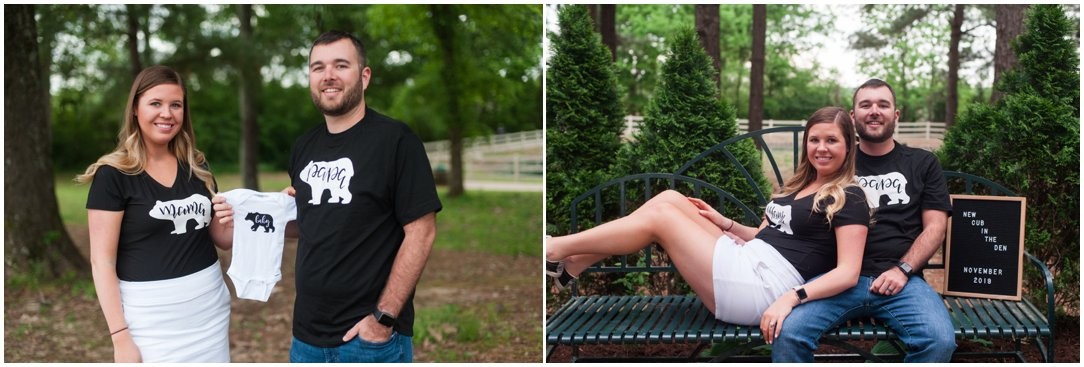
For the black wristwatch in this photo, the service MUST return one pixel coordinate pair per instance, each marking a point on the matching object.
(800, 291)
(383, 318)
(905, 267)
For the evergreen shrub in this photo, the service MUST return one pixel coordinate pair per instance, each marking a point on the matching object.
(1029, 141)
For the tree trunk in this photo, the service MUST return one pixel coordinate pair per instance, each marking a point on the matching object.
(904, 108)
(607, 27)
(1010, 23)
(952, 95)
(47, 40)
(707, 27)
(592, 10)
(444, 21)
(756, 73)
(133, 38)
(148, 52)
(34, 236)
(249, 74)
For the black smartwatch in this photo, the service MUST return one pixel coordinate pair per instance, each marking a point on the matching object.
(905, 267)
(383, 318)
(800, 291)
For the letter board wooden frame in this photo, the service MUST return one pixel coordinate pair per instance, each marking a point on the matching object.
(984, 247)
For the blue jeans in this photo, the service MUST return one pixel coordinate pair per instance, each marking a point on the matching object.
(398, 349)
(917, 314)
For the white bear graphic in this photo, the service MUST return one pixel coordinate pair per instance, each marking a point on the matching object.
(893, 184)
(180, 211)
(779, 217)
(333, 176)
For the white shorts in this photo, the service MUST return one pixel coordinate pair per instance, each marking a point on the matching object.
(748, 278)
(184, 319)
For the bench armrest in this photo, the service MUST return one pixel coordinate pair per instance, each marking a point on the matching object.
(1048, 354)
(1049, 279)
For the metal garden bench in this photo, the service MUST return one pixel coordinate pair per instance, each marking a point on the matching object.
(588, 319)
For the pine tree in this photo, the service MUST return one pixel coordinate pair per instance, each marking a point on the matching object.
(1049, 64)
(1029, 141)
(685, 118)
(584, 119)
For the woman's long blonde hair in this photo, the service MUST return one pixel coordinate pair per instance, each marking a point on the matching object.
(807, 174)
(130, 155)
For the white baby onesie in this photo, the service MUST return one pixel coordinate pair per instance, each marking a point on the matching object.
(259, 230)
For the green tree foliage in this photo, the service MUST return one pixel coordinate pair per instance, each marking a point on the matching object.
(85, 111)
(1049, 63)
(482, 76)
(583, 114)
(908, 46)
(1029, 141)
(791, 90)
(84, 49)
(685, 118)
(642, 30)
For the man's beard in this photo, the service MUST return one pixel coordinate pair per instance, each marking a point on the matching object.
(349, 101)
(886, 133)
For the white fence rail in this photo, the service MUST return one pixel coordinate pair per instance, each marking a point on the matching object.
(905, 130)
(493, 143)
(503, 157)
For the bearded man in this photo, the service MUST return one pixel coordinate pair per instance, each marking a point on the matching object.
(906, 189)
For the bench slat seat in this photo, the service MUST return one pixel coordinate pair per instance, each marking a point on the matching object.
(600, 319)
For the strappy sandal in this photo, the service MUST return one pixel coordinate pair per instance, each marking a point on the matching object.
(556, 269)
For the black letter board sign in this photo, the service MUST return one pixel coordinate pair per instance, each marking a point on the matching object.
(984, 256)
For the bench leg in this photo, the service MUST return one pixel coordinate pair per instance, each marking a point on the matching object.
(1045, 350)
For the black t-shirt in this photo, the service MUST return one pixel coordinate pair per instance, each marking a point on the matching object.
(165, 232)
(369, 181)
(804, 237)
(899, 186)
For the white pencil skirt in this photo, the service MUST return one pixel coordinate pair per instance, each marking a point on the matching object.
(184, 319)
(749, 278)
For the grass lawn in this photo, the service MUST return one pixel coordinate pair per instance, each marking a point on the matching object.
(501, 223)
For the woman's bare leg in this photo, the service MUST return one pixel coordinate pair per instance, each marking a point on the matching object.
(667, 219)
(576, 264)
(633, 232)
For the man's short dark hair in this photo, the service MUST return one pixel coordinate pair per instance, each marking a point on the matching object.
(873, 83)
(333, 36)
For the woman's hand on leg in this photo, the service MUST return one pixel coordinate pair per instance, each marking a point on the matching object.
(772, 319)
(711, 214)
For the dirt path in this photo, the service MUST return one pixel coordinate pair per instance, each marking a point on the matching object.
(65, 324)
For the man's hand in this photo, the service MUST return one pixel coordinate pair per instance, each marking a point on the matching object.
(890, 282)
(369, 330)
